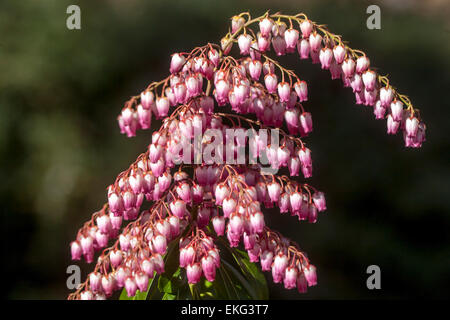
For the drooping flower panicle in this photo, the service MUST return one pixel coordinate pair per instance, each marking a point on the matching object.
(194, 201)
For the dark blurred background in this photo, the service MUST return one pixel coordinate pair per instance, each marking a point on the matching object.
(61, 90)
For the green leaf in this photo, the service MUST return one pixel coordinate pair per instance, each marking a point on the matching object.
(253, 274)
(165, 285)
(168, 296)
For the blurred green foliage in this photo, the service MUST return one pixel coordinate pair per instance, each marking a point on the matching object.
(60, 92)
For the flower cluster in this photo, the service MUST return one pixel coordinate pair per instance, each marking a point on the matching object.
(192, 201)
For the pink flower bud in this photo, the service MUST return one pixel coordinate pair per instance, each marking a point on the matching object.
(335, 70)
(249, 241)
(144, 117)
(356, 83)
(303, 49)
(244, 43)
(305, 157)
(194, 85)
(184, 192)
(339, 53)
(221, 192)
(301, 88)
(158, 262)
(279, 45)
(397, 110)
(148, 267)
(360, 97)
(379, 110)
(290, 278)
(295, 201)
(312, 214)
(116, 257)
(236, 224)
(115, 203)
(121, 275)
(213, 56)
(291, 38)
(194, 272)
(130, 287)
(159, 244)
(326, 57)
(306, 122)
(257, 222)
(271, 81)
(149, 182)
(164, 181)
(87, 245)
(129, 200)
(237, 22)
(319, 201)
(253, 253)
(284, 203)
(186, 256)
(75, 250)
(370, 97)
(386, 96)
(266, 260)
(226, 45)
(87, 295)
(362, 64)
(141, 281)
(219, 225)
(283, 155)
(108, 284)
(174, 226)
(268, 67)
(127, 116)
(315, 42)
(255, 51)
(163, 227)
(263, 42)
(302, 284)
(273, 190)
(306, 28)
(197, 193)
(124, 242)
(104, 223)
(294, 166)
(284, 91)
(95, 281)
(411, 126)
(369, 79)
(280, 263)
(255, 68)
(176, 63)
(209, 268)
(265, 27)
(310, 275)
(228, 206)
(101, 239)
(162, 107)
(348, 67)
(292, 120)
(171, 96)
(221, 92)
(180, 92)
